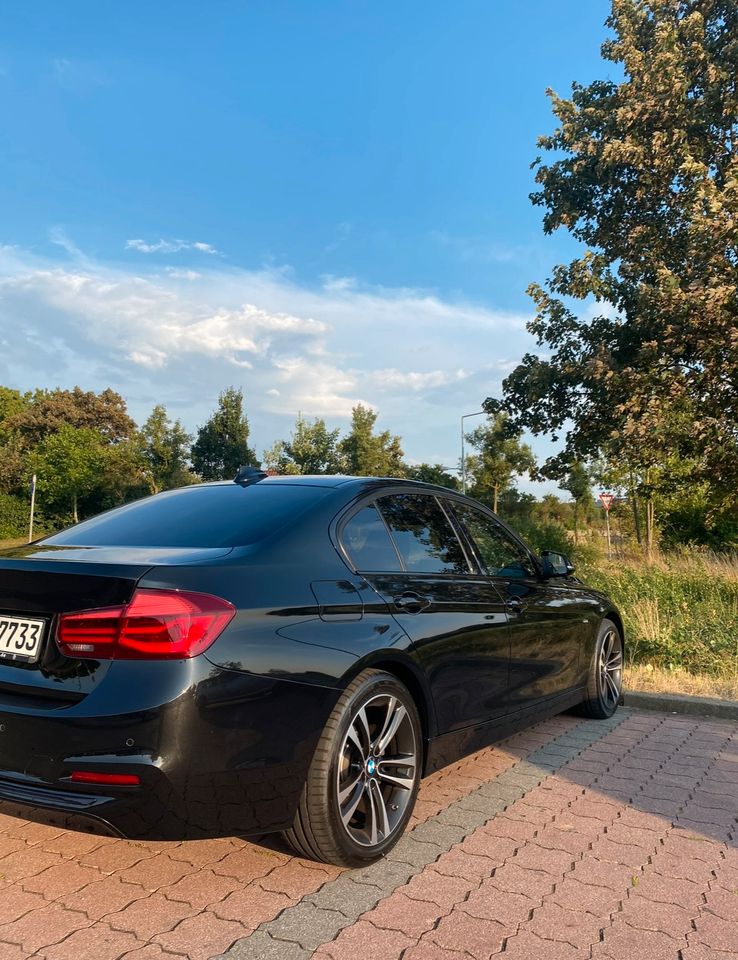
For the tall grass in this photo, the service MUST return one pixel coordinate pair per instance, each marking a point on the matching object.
(680, 610)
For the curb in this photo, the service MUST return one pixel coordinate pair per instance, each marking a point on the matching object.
(677, 703)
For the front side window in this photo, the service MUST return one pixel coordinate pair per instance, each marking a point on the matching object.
(367, 542)
(501, 554)
(423, 534)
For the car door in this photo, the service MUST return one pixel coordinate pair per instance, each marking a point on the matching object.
(548, 618)
(455, 618)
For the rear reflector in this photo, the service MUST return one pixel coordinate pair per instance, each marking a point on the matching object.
(154, 625)
(106, 779)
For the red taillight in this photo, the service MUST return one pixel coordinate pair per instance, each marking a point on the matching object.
(156, 625)
(106, 779)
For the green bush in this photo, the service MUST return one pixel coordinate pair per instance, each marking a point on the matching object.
(543, 536)
(14, 516)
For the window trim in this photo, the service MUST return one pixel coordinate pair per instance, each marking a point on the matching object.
(372, 500)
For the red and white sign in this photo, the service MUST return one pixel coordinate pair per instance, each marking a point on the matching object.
(606, 500)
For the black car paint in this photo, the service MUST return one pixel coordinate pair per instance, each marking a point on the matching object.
(222, 742)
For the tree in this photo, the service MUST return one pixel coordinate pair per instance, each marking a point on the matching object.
(578, 482)
(501, 455)
(222, 445)
(645, 176)
(46, 411)
(433, 473)
(367, 454)
(68, 464)
(165, 449)
(312, 448)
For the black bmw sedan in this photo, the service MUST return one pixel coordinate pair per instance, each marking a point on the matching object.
(281, 654)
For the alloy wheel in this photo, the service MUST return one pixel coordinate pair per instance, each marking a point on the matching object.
(377, 770)
(611, 668)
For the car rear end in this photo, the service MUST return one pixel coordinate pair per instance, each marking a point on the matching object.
(112, 717)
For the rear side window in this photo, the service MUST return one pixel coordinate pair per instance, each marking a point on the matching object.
(423, 535)
(226, 515)
(367, 542)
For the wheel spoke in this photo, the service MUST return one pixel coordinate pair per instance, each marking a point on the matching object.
(615, 662)
(612, 687)
(396, 713)
(353, 736)
(380, 823)
(361, 726)
(405, 782)
(354, 794)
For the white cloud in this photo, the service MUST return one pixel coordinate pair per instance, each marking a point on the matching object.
(170, 246)
(420, 359)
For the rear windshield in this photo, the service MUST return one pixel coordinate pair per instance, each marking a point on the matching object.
(198, 516)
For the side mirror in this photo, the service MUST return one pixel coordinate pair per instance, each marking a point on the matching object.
(556, 564)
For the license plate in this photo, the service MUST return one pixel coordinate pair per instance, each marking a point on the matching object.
(20, 639)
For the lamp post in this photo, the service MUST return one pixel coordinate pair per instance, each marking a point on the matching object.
(466, 416)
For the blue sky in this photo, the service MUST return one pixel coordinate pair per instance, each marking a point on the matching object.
(323, 203)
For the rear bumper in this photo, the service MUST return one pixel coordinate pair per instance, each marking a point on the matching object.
(224, 753)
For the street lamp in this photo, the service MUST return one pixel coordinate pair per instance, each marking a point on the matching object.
(479, 413)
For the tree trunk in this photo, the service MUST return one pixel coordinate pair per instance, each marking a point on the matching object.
(634, 505)
(74, 508)
(650, 524)
(495, 497)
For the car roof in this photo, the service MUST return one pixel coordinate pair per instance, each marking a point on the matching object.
(333, 480)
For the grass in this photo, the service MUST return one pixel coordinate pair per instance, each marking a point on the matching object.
(17, 542)
(681, 618)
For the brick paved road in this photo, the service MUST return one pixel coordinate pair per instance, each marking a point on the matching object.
(575, 839)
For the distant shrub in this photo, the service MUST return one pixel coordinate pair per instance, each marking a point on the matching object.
(543, 536)
(13, 517)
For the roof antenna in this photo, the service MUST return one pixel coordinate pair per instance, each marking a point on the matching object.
(247, 475)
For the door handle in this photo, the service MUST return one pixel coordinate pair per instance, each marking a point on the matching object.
(514, 605)
(410, 602)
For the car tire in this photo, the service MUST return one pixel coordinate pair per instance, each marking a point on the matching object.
(605, 677)
(364, 776)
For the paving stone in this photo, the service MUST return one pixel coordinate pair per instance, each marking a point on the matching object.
(201, 888)
(364, 940)
(108, 895)
(200, 937)
(623, 941)
(440, 833)
(251, 905)
(458, 816)
(308, 925)
(527, 946)
(650, 915)
(145, 918)
(715, 932)
(386, 872)
(410, 850)
(553, 922)
(480, 937)
(61, 879)
(442, 890)
(350, 898)
(260, 946)
(489, 902)
(43, 927)
(99, 942)
(410, 916)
